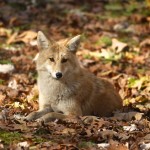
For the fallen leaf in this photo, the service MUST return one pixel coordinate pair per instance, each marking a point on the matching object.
(145, 42)
(130, 128)
(6, 68)
(145, 146)
(115, 145)
(4, 114)
(69, 131)
(108, 134)
(5, 32)
(119, 46)
(2, 97)
(129, 116)
(11, 39)
(1, 146)
(103, 145)
(147, 137)
(121, 26)
(26, 36)
(137, 83)
(23, 144)
(13, 84)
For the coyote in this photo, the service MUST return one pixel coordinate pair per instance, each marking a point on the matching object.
(65, 88)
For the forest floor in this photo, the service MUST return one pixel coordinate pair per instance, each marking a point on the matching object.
(115, 45)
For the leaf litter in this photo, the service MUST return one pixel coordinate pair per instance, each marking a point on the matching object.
(114, 46)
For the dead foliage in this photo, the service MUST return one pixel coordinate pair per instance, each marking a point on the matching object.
(114, 46)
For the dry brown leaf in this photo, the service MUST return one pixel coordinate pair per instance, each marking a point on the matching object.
(119, 46)
(87, 62)
(108, 134)
(25, 37)
(69, 131)
(12, 38)
(103, 145)
(2, 97)
(128, 116)
(33, 95)
(6, 68)
(12, 93)
(147, 137)
(5, 32)
(114, 145)
(145, 42)
(139, 59)
(24, 144)
(144, 107)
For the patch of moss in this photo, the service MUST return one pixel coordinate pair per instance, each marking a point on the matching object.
(21, 27)
(104, 41)
(145, 12)
(2, 81)
(11, 47)
(42, 131)
(39, 140)
(18, 6)
(113, 7)
(5, 62)
(34, 75)
(128, 40)
(131, 8)
(9, 137)
(125, 9)
(84, 144)
(87, 56)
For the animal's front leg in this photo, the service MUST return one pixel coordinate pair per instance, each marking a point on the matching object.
(37, 114)
(51, 117)
(55, 115)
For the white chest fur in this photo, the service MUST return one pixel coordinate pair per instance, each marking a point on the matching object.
(58, 94)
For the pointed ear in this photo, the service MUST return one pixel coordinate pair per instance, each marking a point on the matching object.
(42, 41)
(73, 43)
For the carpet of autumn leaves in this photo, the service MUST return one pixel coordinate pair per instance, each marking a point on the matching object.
(115, 45)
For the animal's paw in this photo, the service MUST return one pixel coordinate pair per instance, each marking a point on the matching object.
(89, 119)
(40, 120)
(46, 118)
(31, 116)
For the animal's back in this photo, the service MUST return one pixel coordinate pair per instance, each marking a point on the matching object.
(102, 99)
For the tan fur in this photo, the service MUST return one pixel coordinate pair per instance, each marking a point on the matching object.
(78, 92)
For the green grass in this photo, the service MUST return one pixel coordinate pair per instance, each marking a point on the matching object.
(87, 56)
(39, 140)
(85, 144)
(113, 6)
(104, 41)
(5, 62)
(128, 40)
(9, 137)
(2, 81)
(125, 9)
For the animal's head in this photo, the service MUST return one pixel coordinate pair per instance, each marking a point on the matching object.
(57, 58)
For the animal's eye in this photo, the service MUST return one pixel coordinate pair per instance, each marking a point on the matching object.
(51, 59)
(64, 60)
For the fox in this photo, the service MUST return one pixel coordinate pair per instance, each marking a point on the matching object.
(65, 87)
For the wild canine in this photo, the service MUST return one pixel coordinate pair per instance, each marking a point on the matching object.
(65, 88)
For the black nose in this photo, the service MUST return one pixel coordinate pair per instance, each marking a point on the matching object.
(58, 75)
